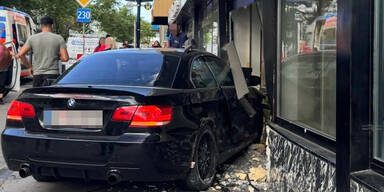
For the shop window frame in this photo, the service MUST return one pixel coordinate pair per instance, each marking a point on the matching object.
(352, 155)
(354, 93)
(306, 132)
(375, 164)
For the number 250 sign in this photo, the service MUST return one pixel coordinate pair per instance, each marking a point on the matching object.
(83, 15)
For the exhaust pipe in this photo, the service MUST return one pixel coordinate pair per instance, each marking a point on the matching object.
(113, 177)
(25, 171)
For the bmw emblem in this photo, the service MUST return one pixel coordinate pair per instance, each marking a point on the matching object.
(71, 103)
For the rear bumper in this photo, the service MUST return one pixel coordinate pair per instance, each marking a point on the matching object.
(131, 155)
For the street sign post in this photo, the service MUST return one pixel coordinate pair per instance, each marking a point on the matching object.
(138, 24)
(83, 16)
(83, 3)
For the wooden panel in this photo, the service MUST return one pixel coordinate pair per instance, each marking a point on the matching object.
(161, 8)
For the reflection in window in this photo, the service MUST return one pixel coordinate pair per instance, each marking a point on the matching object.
(308, 64)
(201, 76)
(221, 71)
(209, 31)
(147, 69)
(378, 93)
(22, 33)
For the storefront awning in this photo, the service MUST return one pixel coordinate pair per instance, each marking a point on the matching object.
(160, 11)
(175, 10)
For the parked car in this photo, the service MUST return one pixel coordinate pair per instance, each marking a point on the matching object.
(131, 115)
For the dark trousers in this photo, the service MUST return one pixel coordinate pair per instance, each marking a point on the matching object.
(40, 80)
(3, 80)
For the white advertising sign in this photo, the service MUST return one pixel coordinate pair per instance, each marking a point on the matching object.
(75, 45)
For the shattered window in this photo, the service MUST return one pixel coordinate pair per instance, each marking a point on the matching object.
(200, 74)
(221, 71)
(307, 70)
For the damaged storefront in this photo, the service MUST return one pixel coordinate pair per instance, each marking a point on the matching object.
(215, 23)
(321, 64)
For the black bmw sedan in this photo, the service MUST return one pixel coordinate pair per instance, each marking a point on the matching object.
(131, 115)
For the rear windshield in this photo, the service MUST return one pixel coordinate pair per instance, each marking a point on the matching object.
(128, 69)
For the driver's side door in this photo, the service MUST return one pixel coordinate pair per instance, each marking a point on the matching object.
(13, 79)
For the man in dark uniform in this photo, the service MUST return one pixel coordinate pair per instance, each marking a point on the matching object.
(178, 38)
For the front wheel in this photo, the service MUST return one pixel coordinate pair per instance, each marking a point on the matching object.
(205, 158)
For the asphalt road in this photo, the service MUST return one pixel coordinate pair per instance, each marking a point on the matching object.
(226, 179)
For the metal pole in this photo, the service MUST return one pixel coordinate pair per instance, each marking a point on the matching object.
(83, 39)
(138, 26)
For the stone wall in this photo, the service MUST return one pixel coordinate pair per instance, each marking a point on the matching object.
(292, 168)
(356, 187)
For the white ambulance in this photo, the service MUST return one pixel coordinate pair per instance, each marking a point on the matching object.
(15, 28)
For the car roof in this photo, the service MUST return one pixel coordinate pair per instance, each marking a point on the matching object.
(162, 51)
(145, 50)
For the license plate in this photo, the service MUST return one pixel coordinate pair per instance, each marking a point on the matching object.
(83, 119)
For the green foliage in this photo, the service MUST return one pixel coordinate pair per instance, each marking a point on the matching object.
(118, 22)
(63, 13)
(146, 32)
(111, 16)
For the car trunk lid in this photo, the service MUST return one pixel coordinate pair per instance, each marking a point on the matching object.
(83, 109)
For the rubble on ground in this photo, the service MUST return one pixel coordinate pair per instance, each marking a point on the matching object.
(246, 173)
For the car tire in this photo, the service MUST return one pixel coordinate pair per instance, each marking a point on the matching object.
(203, 172)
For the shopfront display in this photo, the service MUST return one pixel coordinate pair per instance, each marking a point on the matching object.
(307, 69)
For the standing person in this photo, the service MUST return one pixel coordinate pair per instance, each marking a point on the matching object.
(156, 44)
(5, 60)
(125, 44)
(177, 38)
(101, 45)
(110, 44)
(48, 48)
(167, 38)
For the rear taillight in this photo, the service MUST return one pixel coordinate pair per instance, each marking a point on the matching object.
(144, 116)
(17, 110)
(124, 113)
(152, 116)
